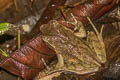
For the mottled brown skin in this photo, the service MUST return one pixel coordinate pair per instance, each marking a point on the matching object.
(74, 54)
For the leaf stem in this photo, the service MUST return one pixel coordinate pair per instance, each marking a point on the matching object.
(3, 53)
(19, 39)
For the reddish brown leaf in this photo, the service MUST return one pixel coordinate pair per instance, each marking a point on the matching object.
(26, 61)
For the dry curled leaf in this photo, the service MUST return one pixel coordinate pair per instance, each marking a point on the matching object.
(27, 61)
(94, 10)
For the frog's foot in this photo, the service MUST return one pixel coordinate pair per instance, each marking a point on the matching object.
(59, 66)
(98, 43)
(79, 29)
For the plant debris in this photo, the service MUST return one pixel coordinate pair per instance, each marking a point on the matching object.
(27, 61)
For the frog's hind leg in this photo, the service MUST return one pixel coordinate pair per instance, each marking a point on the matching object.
(99, 45)
(99, 35)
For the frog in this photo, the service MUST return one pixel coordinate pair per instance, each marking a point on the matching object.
(74, 54)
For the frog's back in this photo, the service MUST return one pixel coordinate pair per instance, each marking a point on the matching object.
(64, 42)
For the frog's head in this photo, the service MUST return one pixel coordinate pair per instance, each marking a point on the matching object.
(50, 28)
(49, 33)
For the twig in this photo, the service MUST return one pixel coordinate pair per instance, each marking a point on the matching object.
(4, 53)
(19, 39)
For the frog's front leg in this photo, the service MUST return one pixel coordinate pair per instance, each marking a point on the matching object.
(60, 63)
(79, 29)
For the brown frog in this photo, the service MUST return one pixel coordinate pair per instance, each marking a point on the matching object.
(73, 52)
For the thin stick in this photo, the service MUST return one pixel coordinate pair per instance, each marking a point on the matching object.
(19, 42)
(45, 64)
(3, 53)
(101, 30)
(93, 25)
(19, 39)
(15, 3)
(18, 78)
